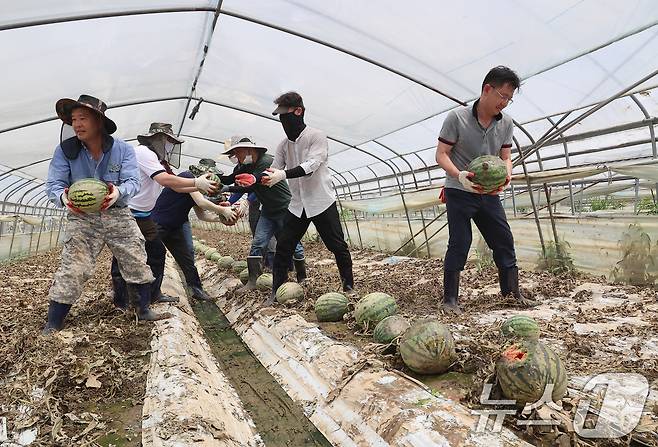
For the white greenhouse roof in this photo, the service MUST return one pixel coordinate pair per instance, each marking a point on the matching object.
(378, 77)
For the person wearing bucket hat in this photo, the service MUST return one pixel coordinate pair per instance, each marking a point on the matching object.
(94, 153)
(159, 148)
(302, 159)
(251, 162)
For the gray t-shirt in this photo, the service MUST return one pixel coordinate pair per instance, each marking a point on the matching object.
(462, 130)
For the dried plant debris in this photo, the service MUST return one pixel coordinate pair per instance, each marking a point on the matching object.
(83, 386)
(594, 326)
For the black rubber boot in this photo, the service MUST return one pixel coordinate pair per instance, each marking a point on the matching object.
(300, 269)
(199, 294)
(508, 279)
(120, 298)
(279, 276)
(255, 270)
(165, 299)
(56, 314)
(143, 307)
(450, 303)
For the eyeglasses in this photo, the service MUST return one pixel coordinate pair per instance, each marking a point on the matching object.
(505, 98)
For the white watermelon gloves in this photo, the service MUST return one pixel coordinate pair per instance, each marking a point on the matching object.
(204, 184)
(465, 179)
(273, 176)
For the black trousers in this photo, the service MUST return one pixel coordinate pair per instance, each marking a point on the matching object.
(328, 226)
(175, 241)
(489, 216)
(155, 258)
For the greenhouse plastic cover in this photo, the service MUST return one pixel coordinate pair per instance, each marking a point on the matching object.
(378, 78)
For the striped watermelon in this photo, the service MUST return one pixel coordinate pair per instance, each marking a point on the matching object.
(238, 266)
(208, 253)
(289, 293)
(331, 306)
(373, 308)
(427, 347)
(526, 367)
(87, 194)
(264, 282)
(215, 257)
(520, 326)
(390, 328)
(225, 262)
(490, 172)
(201, 248)
(244, 276)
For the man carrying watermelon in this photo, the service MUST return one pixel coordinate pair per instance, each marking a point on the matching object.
(302, 159)
(473, 183)
(107, 168)
(252, 162)
(159, 149)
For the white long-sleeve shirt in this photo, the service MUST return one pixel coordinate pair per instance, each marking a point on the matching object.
(312, 193)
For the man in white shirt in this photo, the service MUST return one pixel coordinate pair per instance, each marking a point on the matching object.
(158, 148)
(303, 155)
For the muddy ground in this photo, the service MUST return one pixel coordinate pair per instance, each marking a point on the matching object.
(596, 327)
(83, 386)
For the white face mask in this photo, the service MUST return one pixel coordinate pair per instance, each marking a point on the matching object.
(233, 159)
(248, 160)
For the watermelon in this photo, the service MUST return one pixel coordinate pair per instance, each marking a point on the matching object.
(215, 257)
(526, 367)
(264, 282)
(225, 262)
(208, 166)
(427, 347)
(244, 276)
(331, 306)
(390, 328)
(373, 308)
(490, 172)
(520, 326)
(238, 266)
(202, 248)
(87, 194)
(208, 253)
(289, 293)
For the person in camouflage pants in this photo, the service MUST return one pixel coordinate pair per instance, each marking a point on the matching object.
(93, 153)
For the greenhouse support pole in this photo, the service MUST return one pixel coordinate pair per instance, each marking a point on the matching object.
(568, 163)
(43, 218)
(356, 218)
(513, 199)
(13, 235)
(59, 230)
(342, 215)
(356, 221)
(654, 150)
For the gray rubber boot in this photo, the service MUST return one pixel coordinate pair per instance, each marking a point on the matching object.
(143, 307)
(255, 270)
(508, 280)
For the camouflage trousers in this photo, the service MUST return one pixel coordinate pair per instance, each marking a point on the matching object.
(83, 241)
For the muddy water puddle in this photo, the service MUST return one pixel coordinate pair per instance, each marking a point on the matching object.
(278, 420)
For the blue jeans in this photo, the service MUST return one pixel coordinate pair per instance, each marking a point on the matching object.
(265, 229)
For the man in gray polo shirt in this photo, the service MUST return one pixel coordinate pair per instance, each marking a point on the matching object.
(467, 133)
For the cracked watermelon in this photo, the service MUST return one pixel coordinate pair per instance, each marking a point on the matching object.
(427, 347)
(87, 194)
(526, 368)
(490, 172)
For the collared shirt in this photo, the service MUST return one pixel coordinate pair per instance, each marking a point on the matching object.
(149, 189)
(312, 193)
(117, 165)
(462, 130)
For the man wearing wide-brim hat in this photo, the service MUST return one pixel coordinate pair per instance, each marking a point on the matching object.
(94, 153)
(159, 149)
(251, 162)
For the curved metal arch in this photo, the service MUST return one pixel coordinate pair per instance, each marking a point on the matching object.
(568, 164)
(20, 201)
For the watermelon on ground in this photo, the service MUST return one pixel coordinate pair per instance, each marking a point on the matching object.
(289, 292)
(238, 266)
(87, 194)
(215, 257)
(244, 276)
(490, 172)
(264, 282)
(526, 368)
(520, 326)
(427, 347)
(225, 262)
(390, 328)
(373, 308)
(208, 253)
(331, 306)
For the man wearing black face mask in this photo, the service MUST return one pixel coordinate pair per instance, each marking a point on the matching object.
(303, 155)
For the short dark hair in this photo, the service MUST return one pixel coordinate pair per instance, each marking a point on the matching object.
(501, 75)
(290, 99)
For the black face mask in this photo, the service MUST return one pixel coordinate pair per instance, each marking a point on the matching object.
(292, 124)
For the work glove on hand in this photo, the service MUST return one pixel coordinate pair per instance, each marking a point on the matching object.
(242, 207)
(245, 180)
(111, 198)
(273, 176)
(465, 179)
(205, 185)
(67, 203)
(227, 213)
